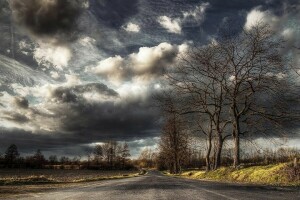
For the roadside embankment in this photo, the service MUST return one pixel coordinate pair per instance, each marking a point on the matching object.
(283, 174)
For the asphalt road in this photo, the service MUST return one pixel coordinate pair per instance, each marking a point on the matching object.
(157, 186)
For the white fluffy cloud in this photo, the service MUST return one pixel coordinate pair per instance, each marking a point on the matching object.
(146, 63)
(285, 26)
(195, 16)
(257, 16)
(153, 59)
(131, 27)
(54, 75)
(112, 68)
(87, 41)
(172, 25)
(48, 55)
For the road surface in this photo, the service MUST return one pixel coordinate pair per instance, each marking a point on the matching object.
(154, 185)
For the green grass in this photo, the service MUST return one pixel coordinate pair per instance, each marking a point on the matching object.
(278, 174)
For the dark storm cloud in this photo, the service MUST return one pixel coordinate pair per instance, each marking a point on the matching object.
(95, 87)
(54, 144)
(85, 123)
(90, 121)
(21, 102)
(48, 19)
(81, 123)
(15, 117)
(73, 93)
(114, 13)
(28, 142)
(109, 120)
(64, 95)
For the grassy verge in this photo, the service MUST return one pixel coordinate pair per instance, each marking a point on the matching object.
(283, 174)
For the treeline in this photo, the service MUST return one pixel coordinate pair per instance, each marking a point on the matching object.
(240, 87)
(110, 155)
(195, 158)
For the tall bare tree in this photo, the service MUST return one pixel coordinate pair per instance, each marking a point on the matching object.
(173, 145)
(124, 154)
(11, 155)
(254, 66)
(224, 83)
(98, 153)
(199, 80)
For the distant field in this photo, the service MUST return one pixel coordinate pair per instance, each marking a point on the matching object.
(27, 176)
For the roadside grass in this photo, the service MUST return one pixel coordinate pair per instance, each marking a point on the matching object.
(55, 177)
(283, 174)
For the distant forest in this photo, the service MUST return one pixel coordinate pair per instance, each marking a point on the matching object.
(110, 155)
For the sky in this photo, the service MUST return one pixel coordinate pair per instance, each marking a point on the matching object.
(74, 73)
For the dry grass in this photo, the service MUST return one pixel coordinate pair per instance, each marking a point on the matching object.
(30, 176)
(278, 174)
(18, 182)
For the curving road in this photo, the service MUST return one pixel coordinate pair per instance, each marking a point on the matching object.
(154, 185)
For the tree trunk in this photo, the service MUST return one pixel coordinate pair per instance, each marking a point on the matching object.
(236, 158)
(176, 163)
(218, 152)
(207, 157)
(236, 139)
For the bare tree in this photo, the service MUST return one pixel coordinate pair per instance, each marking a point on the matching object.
(146, 158)
(110, 152)
(53, 159)
(98, 153)
(173, 145)
(254, 67)
(124, 154)
(38, 159)
(223, 83)
(11, 155)
(199, 80)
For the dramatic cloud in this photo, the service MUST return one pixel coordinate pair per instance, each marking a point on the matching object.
(15, 117)
(146, 63)
(68, 110)
(54, 75)
(131, 27)
(197, 14)
(52, 56)
(73, 93)
(285, 25)
(112, 68)
(193, 17)
(256, 16)
(172, 25)
(154, 60)
(21, 102)
(13, 71)
(50, 20)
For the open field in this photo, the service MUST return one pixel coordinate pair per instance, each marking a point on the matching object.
(40, 176)
(278, 174)
(21, 181)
